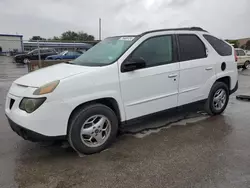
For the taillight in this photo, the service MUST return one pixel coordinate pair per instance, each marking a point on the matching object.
(235, 56)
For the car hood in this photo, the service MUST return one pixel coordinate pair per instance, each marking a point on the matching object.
(20, 55)
(49, 74)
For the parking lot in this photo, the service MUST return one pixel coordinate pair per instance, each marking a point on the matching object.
(198, 151)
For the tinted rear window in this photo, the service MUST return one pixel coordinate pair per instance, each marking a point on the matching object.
(219, 45)
(191, 47)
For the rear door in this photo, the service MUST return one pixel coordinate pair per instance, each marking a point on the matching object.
(44, 53)
(34, 55)
(196, 70)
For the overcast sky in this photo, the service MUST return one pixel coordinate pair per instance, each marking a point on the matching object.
(48, 18)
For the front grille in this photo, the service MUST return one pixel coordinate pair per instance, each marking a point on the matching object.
(12, 101)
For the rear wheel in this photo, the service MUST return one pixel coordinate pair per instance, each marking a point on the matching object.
(218, 99)
(92, 129)
(246, 65)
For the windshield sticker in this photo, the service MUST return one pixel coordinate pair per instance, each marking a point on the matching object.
(127, 38)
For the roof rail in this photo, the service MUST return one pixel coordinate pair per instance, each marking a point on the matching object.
(176, 29)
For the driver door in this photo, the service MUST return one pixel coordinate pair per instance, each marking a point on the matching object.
(155, 87)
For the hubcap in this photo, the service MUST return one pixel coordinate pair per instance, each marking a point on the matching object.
(26, 60)
(95, 130)
(219, 99)
(247, 65)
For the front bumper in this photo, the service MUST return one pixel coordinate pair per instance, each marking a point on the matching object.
(31, 135)
(17, 60)
(50, 119)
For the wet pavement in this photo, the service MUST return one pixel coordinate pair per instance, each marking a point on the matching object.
(196, 152)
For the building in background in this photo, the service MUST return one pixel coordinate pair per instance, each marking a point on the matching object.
(11, 43)
(243, 42)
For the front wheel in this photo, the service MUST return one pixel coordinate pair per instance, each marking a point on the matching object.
(92, 129)
(26, 60)
(218, 99)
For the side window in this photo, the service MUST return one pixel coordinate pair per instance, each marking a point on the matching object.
(241, 53)
(70, 53)
(35, 52)
(43, 51)
(220, 46)
(155, 51)
(191, 47)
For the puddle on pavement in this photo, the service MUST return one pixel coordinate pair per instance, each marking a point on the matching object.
(183, 122)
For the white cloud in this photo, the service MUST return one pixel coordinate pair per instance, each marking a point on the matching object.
(225, 18)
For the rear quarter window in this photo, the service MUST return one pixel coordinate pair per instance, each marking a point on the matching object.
(221, 47)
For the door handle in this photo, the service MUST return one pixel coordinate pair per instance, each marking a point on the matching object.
(172, 75)
(209, 68)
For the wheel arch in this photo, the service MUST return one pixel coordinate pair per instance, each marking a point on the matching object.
(226, 80)
(108, 101)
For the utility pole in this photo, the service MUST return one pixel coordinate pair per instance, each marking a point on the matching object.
(39, 54)
(100, 29)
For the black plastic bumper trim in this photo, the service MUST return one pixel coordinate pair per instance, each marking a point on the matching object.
(31, 135)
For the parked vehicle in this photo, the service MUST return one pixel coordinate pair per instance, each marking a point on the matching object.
(119, 80)
(243, 59)
(34, 55)
(65, 55)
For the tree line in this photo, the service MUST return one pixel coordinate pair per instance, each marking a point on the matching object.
(66, 36)
(237, 44)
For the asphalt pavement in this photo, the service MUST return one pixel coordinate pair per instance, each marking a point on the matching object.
(194, 151)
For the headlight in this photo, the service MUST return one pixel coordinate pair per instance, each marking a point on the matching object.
(31, 104)
(47, 88)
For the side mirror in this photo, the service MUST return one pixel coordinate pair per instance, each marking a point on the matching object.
(133, 64)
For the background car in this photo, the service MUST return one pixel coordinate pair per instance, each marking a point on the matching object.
(243, 59)
(34, 55)
(65, 55)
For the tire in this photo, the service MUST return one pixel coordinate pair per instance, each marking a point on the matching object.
(211, 106)
(87, 118)
(246, 65)
(26, 60)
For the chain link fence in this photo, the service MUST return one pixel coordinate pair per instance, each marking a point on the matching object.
(16, 46)
(37, 53)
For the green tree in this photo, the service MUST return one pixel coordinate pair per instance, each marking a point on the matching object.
(234, 42)
(69, 35)
(76, 36)
(85, 37)
(248, 45)
(53, 39)
(35, 38)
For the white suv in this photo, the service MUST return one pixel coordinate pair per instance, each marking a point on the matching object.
(243, 60)
(120, 79)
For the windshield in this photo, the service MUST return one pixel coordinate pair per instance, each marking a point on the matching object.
(64, 52)
(31, 52)
(105, 52)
